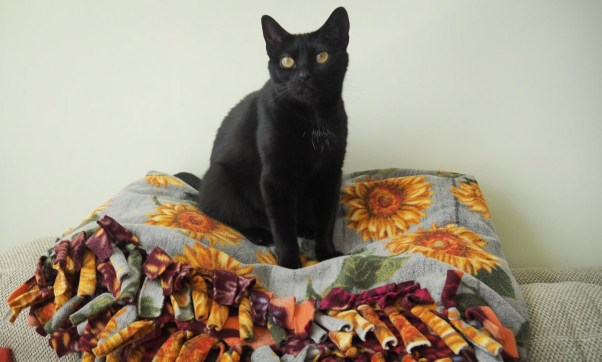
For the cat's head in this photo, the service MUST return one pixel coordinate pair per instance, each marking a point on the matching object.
(308, 67)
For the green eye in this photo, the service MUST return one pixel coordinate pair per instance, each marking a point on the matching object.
(287, 62)
(322, 57)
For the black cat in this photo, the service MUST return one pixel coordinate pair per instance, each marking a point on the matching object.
(276, 163)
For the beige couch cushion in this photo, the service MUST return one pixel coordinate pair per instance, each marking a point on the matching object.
(558, 275)
(566, 321)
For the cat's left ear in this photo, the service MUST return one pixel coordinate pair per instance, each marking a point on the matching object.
(273, 33)
(336, 27)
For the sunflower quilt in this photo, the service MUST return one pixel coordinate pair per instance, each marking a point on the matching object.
(149, 277)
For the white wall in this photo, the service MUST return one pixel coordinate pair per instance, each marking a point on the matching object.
(95, 94)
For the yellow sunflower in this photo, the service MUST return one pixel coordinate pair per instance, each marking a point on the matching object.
(194, 224)
(453, 245)
(470, 195)
(383, 208)
(87, 219)
(307, 262)
(69, 231)
(269, 258)
(207, 259)
(162, 180)
(99, 209)
(266, 258)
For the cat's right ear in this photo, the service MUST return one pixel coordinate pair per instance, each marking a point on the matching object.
(273, 33)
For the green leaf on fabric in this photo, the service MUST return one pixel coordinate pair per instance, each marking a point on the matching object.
(372, 172)
(361, 251)
(523, 335)
(100, 303)
(92, 219)
(148, 309)
(156, 200)
(450, 175)
(363, 272)
(499, 281)
(467, 300)
(129, 291)
(386, 170)
(277, 332)
(470, 181)
(193, 204)
(311, 293)
(191, 198)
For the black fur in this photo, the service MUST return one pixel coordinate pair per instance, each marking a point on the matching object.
(275, 170)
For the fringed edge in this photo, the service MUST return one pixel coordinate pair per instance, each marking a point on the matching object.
(181, 312)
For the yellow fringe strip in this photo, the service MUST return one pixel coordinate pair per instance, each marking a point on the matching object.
(112, 357)
(245, 319)
(410, 335)
(27, 299)
(196, 349)
(87, 278)
(63, 291)
(200, 299)
(88, 357)
(451, 338)
(343, 340)
(125, 336)
(218, 316)
(230, 357)
(111, 325)
(180, 299)
(383, 334)
(170, 350)
(360, 325)
(473, 334)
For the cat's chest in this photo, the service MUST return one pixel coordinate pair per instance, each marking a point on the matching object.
(315, 140)
(310, 139)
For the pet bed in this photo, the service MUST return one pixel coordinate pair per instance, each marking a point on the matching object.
(148, 277)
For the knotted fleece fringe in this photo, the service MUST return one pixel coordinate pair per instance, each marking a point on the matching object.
(89, 296)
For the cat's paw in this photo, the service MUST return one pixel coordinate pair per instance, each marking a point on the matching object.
(290, 263)
(321, 256)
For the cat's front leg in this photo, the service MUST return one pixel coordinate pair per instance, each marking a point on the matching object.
(326, 189)
(279, 193)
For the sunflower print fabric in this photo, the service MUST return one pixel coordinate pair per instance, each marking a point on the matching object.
(385, 208)
(163, 180)
(453, 245)
(469, 194)
(193, 224)
(194, 287)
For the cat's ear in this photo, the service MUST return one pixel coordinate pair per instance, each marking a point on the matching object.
(336, 28)
(273, 33)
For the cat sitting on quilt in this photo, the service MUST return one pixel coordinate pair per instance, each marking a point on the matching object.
(275, 168)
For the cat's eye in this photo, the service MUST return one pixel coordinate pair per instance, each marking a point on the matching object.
(287, 61)
(322, 57)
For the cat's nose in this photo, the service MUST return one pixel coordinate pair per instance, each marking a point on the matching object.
(304, 76)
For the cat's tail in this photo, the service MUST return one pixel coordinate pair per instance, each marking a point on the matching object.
(190, 179)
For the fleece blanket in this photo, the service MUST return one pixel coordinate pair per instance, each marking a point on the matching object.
(149, 277)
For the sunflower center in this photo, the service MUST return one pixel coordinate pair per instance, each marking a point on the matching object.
(384, 201)
(438, 244)
(195, 221)
(443, 242)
